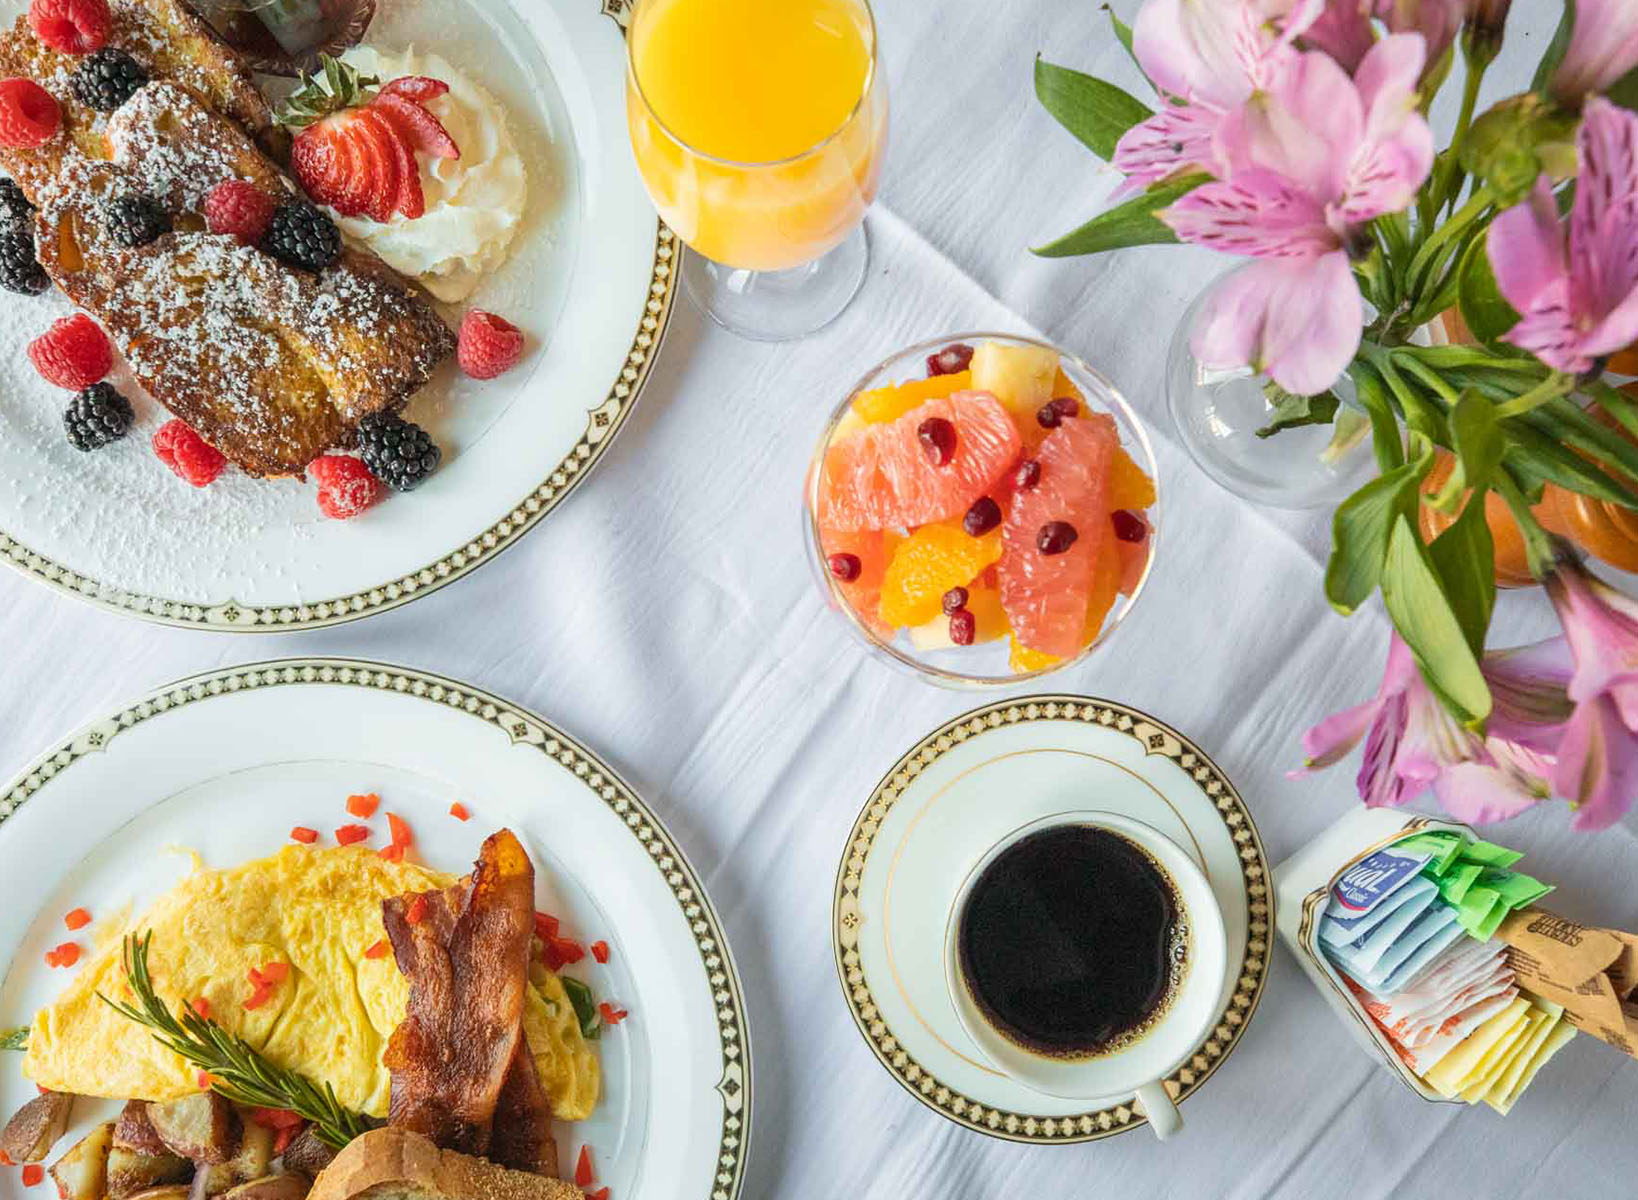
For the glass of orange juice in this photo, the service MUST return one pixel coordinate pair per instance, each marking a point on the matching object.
(759, 127)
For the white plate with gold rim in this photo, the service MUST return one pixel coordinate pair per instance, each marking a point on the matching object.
(589, 280)
(952, 797)
(226, 763)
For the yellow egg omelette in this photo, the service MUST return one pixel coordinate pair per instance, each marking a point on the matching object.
(318, 911)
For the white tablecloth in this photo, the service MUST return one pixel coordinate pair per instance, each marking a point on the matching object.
(666, 616)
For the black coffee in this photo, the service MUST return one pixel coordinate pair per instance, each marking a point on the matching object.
(1072, 942)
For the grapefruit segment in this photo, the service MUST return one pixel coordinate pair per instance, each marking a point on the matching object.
(880, 477)
(1046, 595)
(874, 550)
(931, 561)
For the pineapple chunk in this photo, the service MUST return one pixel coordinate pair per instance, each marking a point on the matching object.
(1021, 377)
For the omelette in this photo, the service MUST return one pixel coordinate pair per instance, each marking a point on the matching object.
(319, 911)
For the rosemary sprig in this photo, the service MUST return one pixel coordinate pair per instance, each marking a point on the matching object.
(235, 1067)
(14, 1039)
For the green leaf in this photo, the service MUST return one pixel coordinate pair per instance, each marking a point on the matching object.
(1386, 439)
(1291, 411)
(1543, 459)
(14, 1039)
(1422, 613)
(1555, 49)
(1624, 91)
(1360, 530)
(1131, 224)
(1123, 34)
(1567, 421)
(1484, 308)
(1464, 556)
(1096, 112)
(585, 1007)
(1477, 440)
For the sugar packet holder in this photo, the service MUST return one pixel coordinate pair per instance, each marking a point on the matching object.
(1302, 888)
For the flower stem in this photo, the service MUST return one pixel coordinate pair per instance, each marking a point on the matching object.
(1435, 249)
(1448, 174)
(1538, 546)
(1428, 376)
(1555, 385)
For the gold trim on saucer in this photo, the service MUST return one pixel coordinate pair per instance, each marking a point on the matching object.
(1156, 738)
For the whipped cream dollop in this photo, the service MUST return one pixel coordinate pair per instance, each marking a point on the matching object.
(474, 204)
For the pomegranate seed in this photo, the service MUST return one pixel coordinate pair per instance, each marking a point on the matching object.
(938, 440)
(951, 359)
(1055, 537)
(1053, 412)
(954, 599)
(1028, 474)
(1129, 527)
(845, 567)
(963, 627)
(983, 516)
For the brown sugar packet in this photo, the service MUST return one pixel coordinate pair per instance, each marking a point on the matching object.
(1591, 972)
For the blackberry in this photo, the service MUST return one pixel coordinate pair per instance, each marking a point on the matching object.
(97, 416)
(302, 236)
(19, 269)
(135, 220)
(14, 206)
(398, 452)
(107, 79)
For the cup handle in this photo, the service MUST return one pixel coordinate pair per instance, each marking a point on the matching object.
(1163, 1116)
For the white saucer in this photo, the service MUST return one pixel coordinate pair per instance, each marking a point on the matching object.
(935, 814)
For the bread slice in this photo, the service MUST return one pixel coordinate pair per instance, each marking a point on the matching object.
(395, 1164)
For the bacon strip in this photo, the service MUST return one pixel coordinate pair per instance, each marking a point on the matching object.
(466, 957)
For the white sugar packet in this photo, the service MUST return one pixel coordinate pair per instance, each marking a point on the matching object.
(1426, 1057)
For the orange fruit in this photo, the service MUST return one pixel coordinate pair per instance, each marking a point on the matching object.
(1106, 587)
(1134, 556)
(1046, 595)
(928, 563)
(890, 403)
(1512, 567)
(1129, 487)
(1625, 362)
(880, 477)
(873, 549)
(989, 622)
(1022, 659)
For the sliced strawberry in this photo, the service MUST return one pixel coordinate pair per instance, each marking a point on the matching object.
(425, 132)
(382, 157)
(419, 88)
(316, 159)
(407, 196)
(355, 184)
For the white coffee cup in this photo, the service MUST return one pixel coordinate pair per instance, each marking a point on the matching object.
(1137, 1070)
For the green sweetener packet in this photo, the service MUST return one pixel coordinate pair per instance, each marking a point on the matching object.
(1489, 854)
(1444, 847)
(1453, 884)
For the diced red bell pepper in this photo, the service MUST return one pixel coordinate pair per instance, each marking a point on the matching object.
(304, 835)
(348, 834)
(401, 833)
(379, 950)
(583, 1172)
(417, 910)
(33, 1175)
(363, 807)
(393, 853)
(545, 926)
(459, 811)
(612, 1015)
(600, 951)
(77, 919)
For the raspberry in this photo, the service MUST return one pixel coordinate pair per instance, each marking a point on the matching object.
(74, 353)
(489, 346)
(192, 458)
(71, 26)
(28, 115)
(346, 487)
(238, 208)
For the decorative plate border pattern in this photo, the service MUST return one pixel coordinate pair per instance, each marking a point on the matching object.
(1156, 738)
(520, 726)
(235, 616)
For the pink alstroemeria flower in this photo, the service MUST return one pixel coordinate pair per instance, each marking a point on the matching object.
(1303, 164)
(1597, 766)
(1412, 742)
(1204, 58)
(1345, 29)
(1579, 301)
(1603, 47)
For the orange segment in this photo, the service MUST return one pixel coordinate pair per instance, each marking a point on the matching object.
(891, 403)
(989, 622)
(1023, 659)
(1063, 385)
(931, 561)
(1129, 487)
(1106, 579)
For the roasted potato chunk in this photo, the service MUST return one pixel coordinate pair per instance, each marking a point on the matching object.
(82, 1173)
(131, 1171)
(134, 1131)
(203, 1127)
(273, 1187)
(249, 1163)
(307, 1154)
(35, 1128)
(176, 1192)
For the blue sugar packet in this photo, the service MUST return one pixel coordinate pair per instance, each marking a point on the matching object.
(1366, 951)
(1428, 926)
(1405, 976)
(1372, 880)
(1335, 931)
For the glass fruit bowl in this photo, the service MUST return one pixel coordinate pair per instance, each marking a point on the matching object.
(982, 509)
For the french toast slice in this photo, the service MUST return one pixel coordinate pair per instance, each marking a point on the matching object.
(172, 43)
(270, 364)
